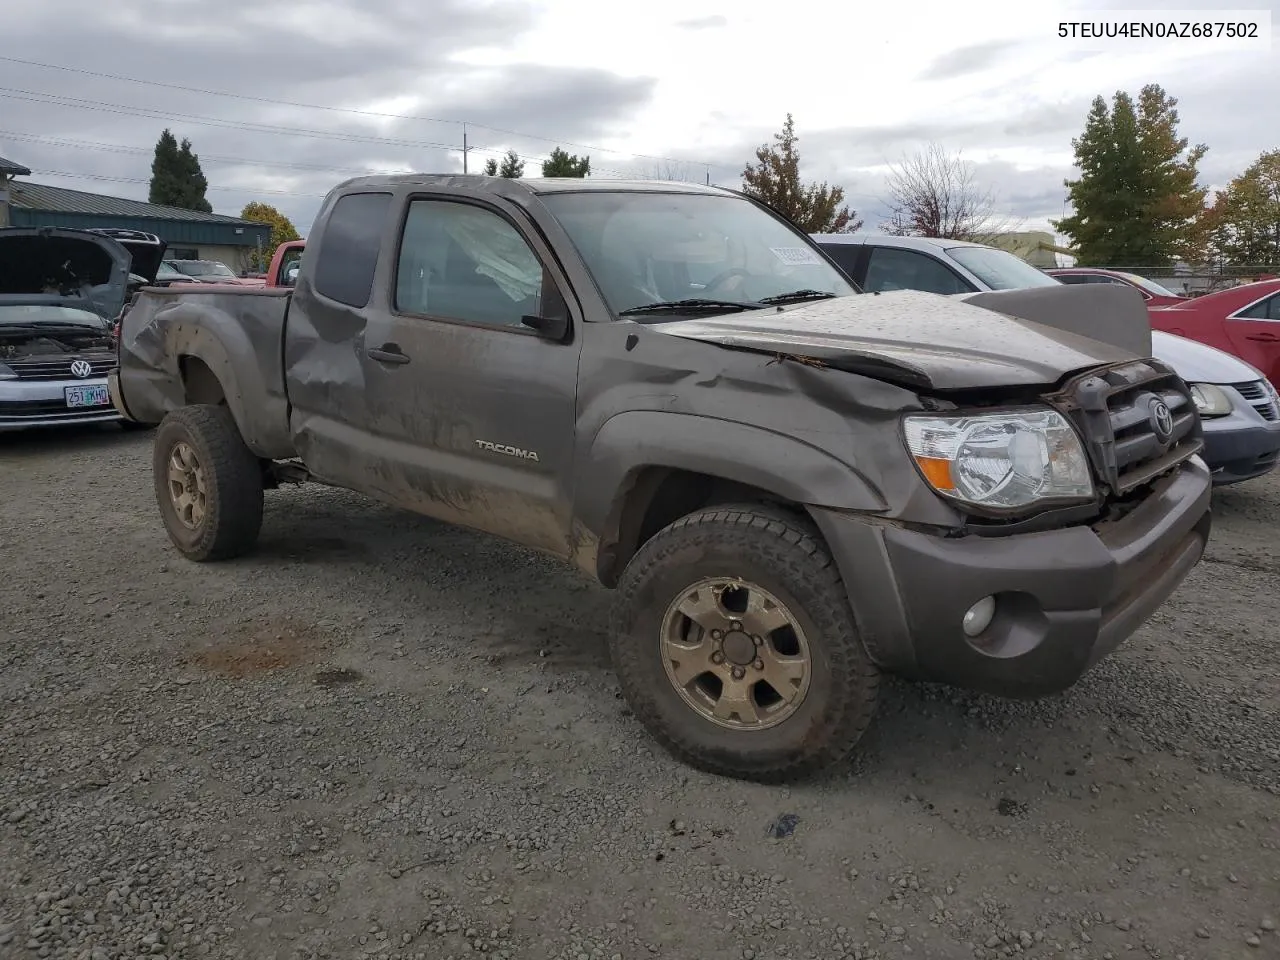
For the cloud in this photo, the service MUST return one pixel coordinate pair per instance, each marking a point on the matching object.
(703, 23)
(272, 54)
(1003, 89)
(966, 60)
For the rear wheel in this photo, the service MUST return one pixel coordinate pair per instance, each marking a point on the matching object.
(208, 483)
(735, 645)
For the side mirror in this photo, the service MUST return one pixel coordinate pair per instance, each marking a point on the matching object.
(549, 328)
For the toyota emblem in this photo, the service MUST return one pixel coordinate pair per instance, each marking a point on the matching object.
(1161, 420)
(81, 369)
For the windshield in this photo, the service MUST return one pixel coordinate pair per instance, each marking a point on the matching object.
(649, 247)
(1000, 269)
(1149, 285)
(18, 315)
(167, 272)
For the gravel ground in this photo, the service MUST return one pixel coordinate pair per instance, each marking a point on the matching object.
(383, 737)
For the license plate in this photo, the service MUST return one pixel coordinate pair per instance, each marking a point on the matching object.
(90, 395)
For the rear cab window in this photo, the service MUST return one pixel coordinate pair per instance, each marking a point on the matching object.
(349, 248)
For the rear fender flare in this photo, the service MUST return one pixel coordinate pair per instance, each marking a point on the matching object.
(201, 343)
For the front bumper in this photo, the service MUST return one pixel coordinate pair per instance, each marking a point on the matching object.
(1065, 598)
(28, 404)
(1241, 445)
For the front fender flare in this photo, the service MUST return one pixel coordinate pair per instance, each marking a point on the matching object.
(633, 441)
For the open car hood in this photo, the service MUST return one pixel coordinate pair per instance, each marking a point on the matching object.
(59, 267)
(146, 250)
(917, 340)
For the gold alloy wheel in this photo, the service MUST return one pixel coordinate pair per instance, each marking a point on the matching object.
(187, 487)
(736, 654)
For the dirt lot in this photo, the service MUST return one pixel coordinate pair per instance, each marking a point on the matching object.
(383, 737)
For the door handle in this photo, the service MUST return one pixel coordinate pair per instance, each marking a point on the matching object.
(1262, 337)
(388, 353)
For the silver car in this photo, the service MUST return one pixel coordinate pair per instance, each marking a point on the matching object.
(60, 291)
(1239, 408)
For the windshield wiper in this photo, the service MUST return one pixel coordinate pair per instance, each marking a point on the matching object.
(691, 305)
(49, 325)
(795, 296)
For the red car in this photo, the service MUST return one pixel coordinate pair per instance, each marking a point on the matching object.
(1243, 320)
(1154, 294)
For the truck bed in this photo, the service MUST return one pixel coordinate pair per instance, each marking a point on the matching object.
(169, 334)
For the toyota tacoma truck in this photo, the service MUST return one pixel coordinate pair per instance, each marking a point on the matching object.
(794, 487)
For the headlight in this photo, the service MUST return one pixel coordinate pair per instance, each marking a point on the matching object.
(1001, 460)
(1210, 401)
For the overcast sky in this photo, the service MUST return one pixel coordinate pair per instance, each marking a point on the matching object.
(669, 87)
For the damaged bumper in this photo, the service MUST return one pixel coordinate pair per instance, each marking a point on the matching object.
(1064, 599)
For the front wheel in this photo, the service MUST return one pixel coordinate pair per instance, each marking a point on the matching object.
(208, 483)
(736, 647)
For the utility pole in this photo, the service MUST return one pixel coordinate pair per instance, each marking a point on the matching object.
(464, 148)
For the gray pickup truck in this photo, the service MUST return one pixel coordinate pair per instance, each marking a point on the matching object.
(793, 486)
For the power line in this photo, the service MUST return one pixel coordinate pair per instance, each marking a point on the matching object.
(246, 190)
(204, 157)
(102, 106)
(348, 110)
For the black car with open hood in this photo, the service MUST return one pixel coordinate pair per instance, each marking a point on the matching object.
(87, 269)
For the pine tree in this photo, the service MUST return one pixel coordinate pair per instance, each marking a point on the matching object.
(176, 177)
(513, 167)
(1136, 201)
(775, 180)
(562, 164)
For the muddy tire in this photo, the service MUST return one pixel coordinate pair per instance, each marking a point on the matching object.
(208, 483)
(736, 647)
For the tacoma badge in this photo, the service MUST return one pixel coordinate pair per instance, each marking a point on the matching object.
(508, 450)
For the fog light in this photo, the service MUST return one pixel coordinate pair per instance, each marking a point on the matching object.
(978, 617)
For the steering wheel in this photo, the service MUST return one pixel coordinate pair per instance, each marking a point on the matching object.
(721, 277)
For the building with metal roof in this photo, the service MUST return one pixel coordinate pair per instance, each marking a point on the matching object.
(8, 170)
(190, 234)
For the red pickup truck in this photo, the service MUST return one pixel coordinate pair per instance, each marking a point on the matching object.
(285, 262)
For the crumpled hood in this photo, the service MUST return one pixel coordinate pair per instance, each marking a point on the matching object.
(57, 267)
(914, 339)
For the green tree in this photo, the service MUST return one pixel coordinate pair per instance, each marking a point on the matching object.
(282, 231)
(1137, 201)
(176, 177)
(1243, 225)
(775, 180)
(562, 164)
(512, 167)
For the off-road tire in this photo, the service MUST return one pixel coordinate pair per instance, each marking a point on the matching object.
(784, 554)
(233, 477)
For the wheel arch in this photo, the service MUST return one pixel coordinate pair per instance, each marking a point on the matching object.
(651, 468)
